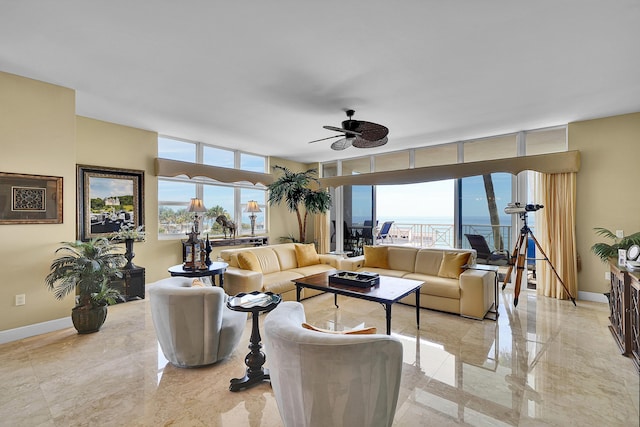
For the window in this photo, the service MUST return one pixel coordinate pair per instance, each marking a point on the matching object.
(461, 205)
(219, 198)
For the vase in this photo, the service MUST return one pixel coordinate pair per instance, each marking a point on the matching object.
(129, 253)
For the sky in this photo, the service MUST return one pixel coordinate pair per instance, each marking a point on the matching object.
(429, 199)
(106, 187)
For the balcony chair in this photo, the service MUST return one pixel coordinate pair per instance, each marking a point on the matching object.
(484, 254)
(193, 324)
(367, 232)
(330, 379)
(383, 234)
(351, 239)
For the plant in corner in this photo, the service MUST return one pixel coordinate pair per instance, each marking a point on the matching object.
(87, 268)
(604, 251)
(295, 189)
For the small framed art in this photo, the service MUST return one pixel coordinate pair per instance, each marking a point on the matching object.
(30, 199)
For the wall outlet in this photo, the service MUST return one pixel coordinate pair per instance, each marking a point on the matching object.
(21, 299)
(619, 234)
(607, 275)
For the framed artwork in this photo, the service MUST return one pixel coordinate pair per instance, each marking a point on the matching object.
(30, 199)
(108, 199)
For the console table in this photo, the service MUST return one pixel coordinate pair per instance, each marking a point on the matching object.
(255, 241)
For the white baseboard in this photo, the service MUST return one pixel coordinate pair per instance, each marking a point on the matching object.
(35, 329)
(592, 296)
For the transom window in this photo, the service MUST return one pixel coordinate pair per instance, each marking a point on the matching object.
(228, 199)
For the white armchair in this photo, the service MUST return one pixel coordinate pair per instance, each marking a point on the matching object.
(193, 324)
(322, 379)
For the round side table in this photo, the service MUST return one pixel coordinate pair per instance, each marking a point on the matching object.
(215, 269)
(254, 303)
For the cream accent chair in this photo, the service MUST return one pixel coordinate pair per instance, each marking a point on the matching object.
(193, 324)
(322, 379)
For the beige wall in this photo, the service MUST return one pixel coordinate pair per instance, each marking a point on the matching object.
(607, 187)
(109, 145)
(37, 136)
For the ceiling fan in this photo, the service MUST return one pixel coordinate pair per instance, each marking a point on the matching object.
(357, 133)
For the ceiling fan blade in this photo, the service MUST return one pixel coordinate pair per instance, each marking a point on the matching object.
(324, 139)
(371, 131)
(363, 143)
(337, 129)
(342, 144)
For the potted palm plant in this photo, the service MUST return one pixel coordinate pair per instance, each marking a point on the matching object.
(605, 251)
(295, 189)
(87, 268)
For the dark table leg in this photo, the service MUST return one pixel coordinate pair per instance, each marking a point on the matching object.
(254, 360)
(298, 289)
(418, 308)
(335, 300)
(387, 309)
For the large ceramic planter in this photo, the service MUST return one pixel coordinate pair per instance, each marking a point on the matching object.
(87, 321)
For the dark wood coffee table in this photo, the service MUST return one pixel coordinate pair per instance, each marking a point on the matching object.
(390, 290)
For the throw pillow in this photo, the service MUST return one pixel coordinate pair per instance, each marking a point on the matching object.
(452, 262)
(363, 331)
(376, 256)
(249, 261)
(306, 255)
(197, 283)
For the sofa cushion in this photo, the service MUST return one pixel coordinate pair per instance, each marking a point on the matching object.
(267, 258)
(306, 255)
(428, 261)
(402, 258)
(363, 331)
(312, 269)
(376, 256)
(286, 254)
(248, 261)
(452, 263)
(437, 286)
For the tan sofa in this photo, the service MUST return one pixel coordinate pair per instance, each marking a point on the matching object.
(278, 266)
(471, 294)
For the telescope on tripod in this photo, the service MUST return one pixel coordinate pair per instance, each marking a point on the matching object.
(518, 257)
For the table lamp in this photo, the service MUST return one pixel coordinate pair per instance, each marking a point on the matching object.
(252, 208)
(196, 206)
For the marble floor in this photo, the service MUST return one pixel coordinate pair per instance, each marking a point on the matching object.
(545, 363)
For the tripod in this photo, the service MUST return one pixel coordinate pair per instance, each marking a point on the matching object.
(519, 258)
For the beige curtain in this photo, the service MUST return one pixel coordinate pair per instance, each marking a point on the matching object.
(555, 231)
(321, 230)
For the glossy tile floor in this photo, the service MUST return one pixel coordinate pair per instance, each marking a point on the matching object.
(543, 363)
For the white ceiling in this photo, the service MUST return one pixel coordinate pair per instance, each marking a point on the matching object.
(264, 76)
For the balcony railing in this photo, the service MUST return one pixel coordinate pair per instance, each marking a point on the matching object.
(443, 235)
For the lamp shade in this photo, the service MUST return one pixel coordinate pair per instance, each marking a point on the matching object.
(196, 205)
(252, 206)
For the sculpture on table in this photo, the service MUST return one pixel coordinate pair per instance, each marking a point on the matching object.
(227, 224)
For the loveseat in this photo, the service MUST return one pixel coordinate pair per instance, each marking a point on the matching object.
(272, 268)
(447, 286)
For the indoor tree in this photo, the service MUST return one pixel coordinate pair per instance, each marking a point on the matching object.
(295, 189)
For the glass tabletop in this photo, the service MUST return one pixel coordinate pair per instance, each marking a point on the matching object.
(253, 300)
